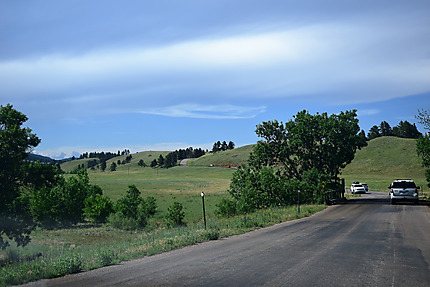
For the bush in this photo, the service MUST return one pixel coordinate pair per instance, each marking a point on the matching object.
(67, 264)
(98, 208)
(63, 203)
(226, 208)
(119, 221)
(175, 216)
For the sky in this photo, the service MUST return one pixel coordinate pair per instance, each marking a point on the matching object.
(163, 75)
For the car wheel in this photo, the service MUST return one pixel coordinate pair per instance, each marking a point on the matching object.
(393, 201)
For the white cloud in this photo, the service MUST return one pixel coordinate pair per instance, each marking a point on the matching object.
(206, 112)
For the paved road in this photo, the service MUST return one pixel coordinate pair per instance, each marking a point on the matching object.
(366, 242)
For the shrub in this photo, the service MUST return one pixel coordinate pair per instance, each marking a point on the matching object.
(226, 208)
(97, 208)
(119, 221)
(175, 216)
(67, 264)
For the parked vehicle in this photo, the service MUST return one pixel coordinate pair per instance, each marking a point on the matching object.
(357, 188)
(365, 186)
(403, 189)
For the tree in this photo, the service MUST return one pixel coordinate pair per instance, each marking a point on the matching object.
(373, 133)
(16, 143)
(423, 143)
(327, 143)
(406, 130)
(153, 163)
(230, 145)
(175, 216)
(141, 163)
(363, 135)
(113, 166)
(160, 161)
(385, 129)
(103, 166)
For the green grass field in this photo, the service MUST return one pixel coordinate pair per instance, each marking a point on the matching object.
(182, 184)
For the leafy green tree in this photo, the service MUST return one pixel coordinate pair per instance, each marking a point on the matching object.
(423, 143)
(113, 166)
(97, 208)
(306, 154)
(103, 166)
(327, 143)
(15, 144)
(133, 206)
(64, 203)
(374, 132)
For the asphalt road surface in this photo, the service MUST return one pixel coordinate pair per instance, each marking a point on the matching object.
(365, 242)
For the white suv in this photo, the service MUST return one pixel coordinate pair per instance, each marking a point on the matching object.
(357, 188)
(403, 189)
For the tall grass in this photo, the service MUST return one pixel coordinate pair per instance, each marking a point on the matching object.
(58, 252)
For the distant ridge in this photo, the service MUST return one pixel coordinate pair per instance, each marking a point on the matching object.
(40, 158)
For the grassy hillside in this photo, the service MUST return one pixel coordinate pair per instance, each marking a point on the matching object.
(146, 156)
(236, 157)
(384, 160)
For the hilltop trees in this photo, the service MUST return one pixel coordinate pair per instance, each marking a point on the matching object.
(218, 146)
(404, 130)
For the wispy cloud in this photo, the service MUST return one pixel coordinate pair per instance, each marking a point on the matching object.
(207, 112)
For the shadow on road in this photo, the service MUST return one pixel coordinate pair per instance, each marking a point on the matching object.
(381, 198)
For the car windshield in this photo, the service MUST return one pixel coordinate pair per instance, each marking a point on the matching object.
(403, 184)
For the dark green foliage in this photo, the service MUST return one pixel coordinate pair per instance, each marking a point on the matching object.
(175, 216)
(113, 166)
(304, 154)
(423, 143)
(154, 163)
(151, 205)
(160, 161)
(103, 165)
(97, 208)
(141, 163)
(226, 208)
(132, 207)
(62, 204)
(373, 133)
(218, 146)
(406, 130)
(385, 129)
(15, 144)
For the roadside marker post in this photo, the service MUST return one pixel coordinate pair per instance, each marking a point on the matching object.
(298, 202)
(204, 213)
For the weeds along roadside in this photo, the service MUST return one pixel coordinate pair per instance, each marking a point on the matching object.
(54, 253)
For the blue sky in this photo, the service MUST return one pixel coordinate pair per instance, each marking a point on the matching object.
(163, 75)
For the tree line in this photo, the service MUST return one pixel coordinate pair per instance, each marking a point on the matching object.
(222, 146)
(172, 158)
(403, 130)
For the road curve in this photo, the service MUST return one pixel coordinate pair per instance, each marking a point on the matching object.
(365, 242)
